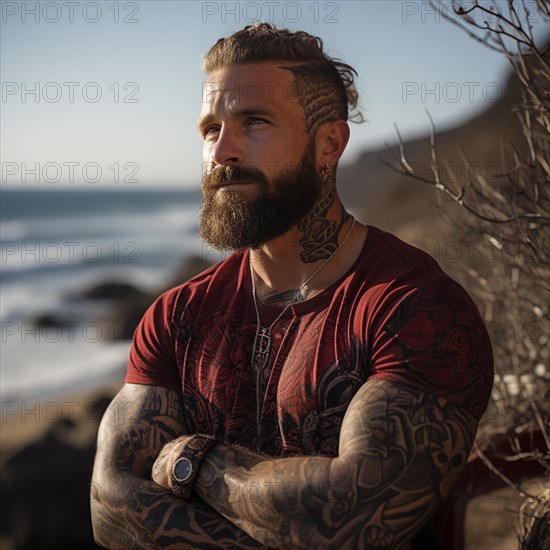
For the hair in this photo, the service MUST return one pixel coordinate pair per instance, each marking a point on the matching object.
(325, 86)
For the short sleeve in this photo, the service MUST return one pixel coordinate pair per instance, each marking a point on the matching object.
(152, 358)
(432, 337)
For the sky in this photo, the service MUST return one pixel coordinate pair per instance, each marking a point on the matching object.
(107, 94)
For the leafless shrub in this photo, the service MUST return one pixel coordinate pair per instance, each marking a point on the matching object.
(512, 213)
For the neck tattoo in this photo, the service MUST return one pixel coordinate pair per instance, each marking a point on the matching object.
(262, 338)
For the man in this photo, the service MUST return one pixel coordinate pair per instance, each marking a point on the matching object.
(319, 388)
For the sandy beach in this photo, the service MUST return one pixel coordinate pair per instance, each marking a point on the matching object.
(27, 422)
(47, 450)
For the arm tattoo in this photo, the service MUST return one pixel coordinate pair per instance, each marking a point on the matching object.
(400, 452)
(128, 509)
(150, 422)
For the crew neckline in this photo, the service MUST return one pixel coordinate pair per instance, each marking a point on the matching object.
(268, 313)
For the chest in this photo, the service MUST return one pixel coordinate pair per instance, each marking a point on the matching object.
(294, 403)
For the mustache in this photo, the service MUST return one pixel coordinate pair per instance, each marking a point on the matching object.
(221, 175)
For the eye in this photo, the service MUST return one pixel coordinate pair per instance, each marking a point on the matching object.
(254, 121)
(210, 130)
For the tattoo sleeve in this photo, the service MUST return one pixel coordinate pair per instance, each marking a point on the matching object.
(400, 452)
(128, 509)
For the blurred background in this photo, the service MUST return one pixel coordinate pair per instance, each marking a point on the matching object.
(100, 194)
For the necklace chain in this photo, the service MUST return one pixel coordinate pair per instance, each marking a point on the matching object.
(262, 338)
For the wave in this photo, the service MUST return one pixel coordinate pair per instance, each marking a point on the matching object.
(54, 246)
(79, 363)
(132, 238)
(170, 219)
(14, 230)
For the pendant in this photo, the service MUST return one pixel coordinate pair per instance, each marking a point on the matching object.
(261, 349)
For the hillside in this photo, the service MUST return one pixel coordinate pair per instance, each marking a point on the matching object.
(382, 197)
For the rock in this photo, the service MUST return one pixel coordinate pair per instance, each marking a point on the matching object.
(45, 490)
(47, 320)
(126, 315)
(112, 291)
(189, 268)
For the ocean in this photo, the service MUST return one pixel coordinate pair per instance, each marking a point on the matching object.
(57, 244)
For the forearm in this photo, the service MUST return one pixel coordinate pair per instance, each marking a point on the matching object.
(128, 509)
(295, 502)
(135, 513)
(400, 453)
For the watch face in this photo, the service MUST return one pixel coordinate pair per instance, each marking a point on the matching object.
(183, 468)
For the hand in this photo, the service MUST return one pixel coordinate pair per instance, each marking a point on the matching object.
(161, 472)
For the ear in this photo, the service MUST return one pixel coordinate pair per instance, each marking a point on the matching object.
(330, 141)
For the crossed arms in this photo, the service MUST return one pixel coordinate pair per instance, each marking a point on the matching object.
(400, 452)
(128, 509)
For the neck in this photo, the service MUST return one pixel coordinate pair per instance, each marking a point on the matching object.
(282, 265)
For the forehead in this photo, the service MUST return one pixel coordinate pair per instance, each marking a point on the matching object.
(253, 85)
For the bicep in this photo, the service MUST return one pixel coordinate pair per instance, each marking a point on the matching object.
(406, 449)
(137, 423)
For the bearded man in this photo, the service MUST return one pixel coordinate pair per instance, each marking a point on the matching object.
(320, 387)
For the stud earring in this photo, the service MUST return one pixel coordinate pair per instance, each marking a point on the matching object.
(326, 169)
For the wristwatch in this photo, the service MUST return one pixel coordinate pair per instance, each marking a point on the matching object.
(186, 466)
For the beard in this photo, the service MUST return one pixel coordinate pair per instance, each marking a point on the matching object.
(231, 220)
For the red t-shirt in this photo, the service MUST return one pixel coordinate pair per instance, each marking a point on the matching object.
(394, 315)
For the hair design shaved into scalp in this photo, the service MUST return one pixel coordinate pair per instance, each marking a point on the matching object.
(325, 87)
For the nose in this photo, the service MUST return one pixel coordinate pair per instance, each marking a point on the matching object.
(227, 150)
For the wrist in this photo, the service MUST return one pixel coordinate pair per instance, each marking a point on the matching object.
(186, 466)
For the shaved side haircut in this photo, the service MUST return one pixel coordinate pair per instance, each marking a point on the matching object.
(324, 86)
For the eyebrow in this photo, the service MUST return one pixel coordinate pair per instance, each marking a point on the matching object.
(252, 111)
